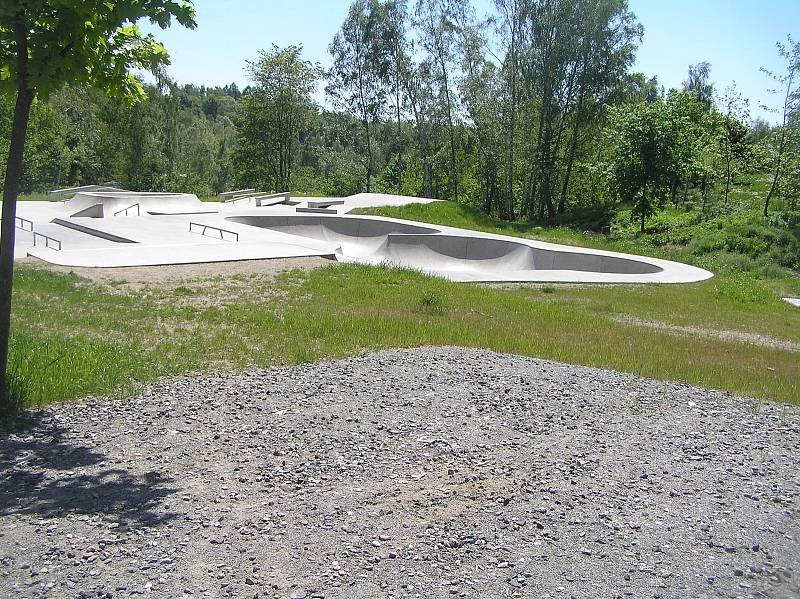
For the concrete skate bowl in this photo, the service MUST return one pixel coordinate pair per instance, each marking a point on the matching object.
(355, 236)
(486, 257)
(105, 204)
(462, 255)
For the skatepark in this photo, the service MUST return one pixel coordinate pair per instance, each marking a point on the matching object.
(101, 227)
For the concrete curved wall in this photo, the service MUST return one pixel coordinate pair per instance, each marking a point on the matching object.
(484, 254)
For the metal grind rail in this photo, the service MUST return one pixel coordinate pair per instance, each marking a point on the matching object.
(22, 222)
(125, 210)
(47, 241)
(205, 228)
(227, 196)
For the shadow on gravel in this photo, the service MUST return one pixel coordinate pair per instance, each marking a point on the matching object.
(43, 475)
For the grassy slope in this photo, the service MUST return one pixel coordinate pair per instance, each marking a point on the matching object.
(73, 338)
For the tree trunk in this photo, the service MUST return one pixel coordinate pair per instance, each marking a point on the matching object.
(573, 146)
(399, 137)
(781, 144)
(511, 124)
(704, 192)
(774, 185)
(644, 208)
(453, 163)
(369, 156)
(19, 130)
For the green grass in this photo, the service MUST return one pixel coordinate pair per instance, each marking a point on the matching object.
(80, 339)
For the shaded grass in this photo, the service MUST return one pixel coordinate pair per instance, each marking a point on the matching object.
(77, 339)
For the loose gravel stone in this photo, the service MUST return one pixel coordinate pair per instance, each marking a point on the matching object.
(433, 472)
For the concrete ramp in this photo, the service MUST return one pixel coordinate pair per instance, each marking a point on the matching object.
(97, 232)
(105, 204)
(474, 255)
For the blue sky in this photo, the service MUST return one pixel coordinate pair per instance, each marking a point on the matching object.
(735, 36)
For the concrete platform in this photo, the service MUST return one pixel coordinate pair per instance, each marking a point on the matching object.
(113, 228)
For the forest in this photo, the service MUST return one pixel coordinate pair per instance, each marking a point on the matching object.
(533, 113)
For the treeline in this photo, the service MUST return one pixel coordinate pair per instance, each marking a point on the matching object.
(530, 113)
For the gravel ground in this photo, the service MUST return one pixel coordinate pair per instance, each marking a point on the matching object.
(434, 472)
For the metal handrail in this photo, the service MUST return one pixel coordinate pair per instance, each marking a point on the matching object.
(225, 194)
(241, 196)
(22, 222)
(47, 240)
(125, 210)
(206, 227)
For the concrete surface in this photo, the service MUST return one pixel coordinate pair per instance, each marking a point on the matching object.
(107, 229)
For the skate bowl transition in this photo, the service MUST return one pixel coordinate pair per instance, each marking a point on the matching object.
(103, 204)
(463, 255)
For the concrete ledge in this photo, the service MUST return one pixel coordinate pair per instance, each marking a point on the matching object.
(325, 203)
(272, 199)
(317, 210)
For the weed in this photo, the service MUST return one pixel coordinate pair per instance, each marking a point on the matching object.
(431, 303)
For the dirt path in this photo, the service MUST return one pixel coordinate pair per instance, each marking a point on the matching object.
(753, 338)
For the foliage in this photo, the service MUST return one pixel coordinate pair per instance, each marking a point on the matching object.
(653, 146)
(272, 115)
(93, 42)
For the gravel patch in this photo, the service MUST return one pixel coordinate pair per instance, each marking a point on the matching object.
(433, 472)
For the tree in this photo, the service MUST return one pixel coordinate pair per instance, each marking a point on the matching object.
(575, 54)
(481, 94)
(651, 148)
(362, 63)
(47, 43)
(698, 84)
(273, 113)
(790, 91)
(512, 16)
(734, 138)
(435, 20)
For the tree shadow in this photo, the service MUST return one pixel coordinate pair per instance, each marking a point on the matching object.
(43, 474)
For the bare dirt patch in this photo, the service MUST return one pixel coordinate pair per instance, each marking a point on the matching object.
(176, 274)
